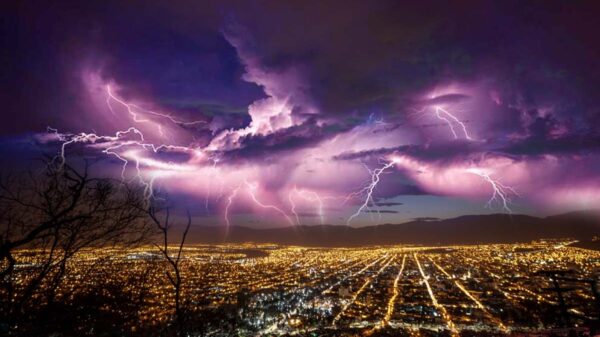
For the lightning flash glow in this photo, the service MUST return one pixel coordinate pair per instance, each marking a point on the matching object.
(247, 190)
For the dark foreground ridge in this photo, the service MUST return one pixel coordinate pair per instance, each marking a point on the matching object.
(469, 229)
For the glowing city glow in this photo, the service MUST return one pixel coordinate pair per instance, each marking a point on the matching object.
(441, 308)
(390, 307)
(293, 168)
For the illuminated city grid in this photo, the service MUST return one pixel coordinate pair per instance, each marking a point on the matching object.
(403, 290)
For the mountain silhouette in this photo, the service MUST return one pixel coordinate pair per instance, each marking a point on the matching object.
(468, 229)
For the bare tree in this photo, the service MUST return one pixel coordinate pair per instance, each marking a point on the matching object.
(174, 274)
(54, 214)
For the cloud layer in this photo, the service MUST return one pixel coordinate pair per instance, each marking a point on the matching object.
(308, 113)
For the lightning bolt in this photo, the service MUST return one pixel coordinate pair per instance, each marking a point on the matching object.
(368, 190)
(447, 117)
(293, 204)
(451, 120)
(228, 205)
(310, 196)
(135, 111)
(209, 184)
(500, 192)
(117, 147)
(129, 146)
(314, 197)
(124, 143)
(251, 187)
(132, 149)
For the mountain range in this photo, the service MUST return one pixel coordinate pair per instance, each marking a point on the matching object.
(468, 229)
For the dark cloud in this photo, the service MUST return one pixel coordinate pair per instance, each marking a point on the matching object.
(396, 185)
(434, 151)
(449, 98)
(426, 219)
(383, 211)
(151, 51)
(538, 144)
(367, 57)
(389, 204)
(290, 139)
(566, 145)
(308, 215)
(521, 75)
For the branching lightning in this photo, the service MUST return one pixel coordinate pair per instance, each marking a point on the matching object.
(140, 155)
(251, 189)
(451, 120)
(500, 192)
(310, 196)
(368, 190)
(129, 146)
(122, 141)
(293, 205)
(228, 205)
(134, 111)
(213, 173)
(252, 192)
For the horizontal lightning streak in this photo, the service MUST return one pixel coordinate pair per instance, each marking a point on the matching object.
(134, 110)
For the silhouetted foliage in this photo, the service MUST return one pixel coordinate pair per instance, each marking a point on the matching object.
(54, 214)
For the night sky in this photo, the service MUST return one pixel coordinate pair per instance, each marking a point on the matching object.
(274, 113)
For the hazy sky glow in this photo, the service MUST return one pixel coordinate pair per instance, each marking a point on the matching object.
(278, 113)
